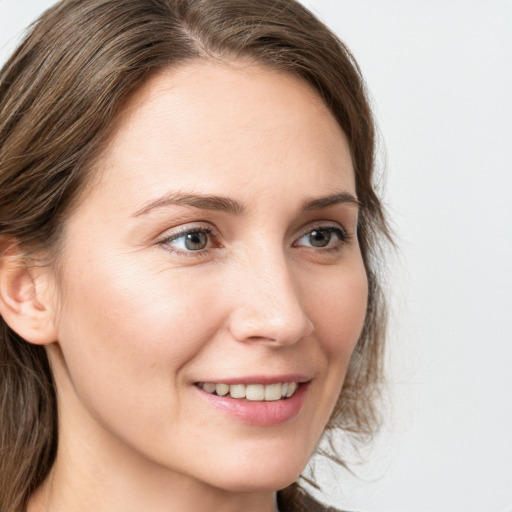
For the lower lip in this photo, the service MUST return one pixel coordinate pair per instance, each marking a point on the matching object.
(259, 412)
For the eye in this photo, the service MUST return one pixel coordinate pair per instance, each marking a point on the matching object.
(324, 237)
(192, 240)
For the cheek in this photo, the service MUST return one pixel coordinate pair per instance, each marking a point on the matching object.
(128, 341)
(338, 305)
(132, 331)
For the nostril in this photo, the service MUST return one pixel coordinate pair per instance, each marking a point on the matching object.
(247, 327)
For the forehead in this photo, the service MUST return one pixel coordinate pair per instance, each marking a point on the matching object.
(212, 126)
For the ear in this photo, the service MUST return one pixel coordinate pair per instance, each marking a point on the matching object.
(26, 304)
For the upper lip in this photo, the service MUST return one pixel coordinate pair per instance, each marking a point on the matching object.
(261, 379)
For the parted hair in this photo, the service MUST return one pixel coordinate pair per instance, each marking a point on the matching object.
(60, 94)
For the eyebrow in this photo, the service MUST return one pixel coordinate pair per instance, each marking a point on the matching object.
(200, 201)
(233, 207)
(331, 200)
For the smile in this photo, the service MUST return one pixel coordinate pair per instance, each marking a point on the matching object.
(253, 392)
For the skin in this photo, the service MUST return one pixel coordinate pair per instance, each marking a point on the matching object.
(137, 319)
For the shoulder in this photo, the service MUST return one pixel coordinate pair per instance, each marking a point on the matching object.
(315, 506)
(296, 499)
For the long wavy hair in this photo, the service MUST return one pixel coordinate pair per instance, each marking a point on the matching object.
(60, 94)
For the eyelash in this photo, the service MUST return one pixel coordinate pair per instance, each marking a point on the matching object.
(341, 234)
(212, 236)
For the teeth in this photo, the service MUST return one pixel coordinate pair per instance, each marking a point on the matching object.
(221, 389)
(292, 386)
(253, 392)
(273, 392)
(237, 391)
(209, 387)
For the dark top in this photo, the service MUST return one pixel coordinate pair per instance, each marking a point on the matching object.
(298, 500)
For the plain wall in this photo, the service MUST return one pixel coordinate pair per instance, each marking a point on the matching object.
(440, 75)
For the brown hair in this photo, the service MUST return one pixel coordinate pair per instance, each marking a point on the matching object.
(60, 94)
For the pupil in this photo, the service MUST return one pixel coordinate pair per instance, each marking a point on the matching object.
(320, 238)
(196, 241)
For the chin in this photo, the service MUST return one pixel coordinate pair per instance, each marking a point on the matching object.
(267, 483)
(260, 476)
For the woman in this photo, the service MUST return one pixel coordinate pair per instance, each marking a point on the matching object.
(188, 230)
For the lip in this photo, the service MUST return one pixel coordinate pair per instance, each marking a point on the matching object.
(262, 413)
(262, 379)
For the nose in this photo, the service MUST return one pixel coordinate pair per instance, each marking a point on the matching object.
(267, 304)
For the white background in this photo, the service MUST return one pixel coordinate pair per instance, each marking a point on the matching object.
(440, 74)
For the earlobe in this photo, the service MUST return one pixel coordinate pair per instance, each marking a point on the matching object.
(25, 302)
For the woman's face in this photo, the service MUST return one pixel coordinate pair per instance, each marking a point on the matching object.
(216, 250)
